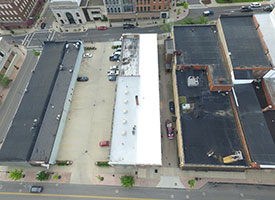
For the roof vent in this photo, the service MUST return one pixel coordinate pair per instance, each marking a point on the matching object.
(61, 67)
(192, 81)
(125, 101)
(26, 90)
(58, 117)
(124, 121)
(126, 92)
(67, 46)
(229, 53)
(124, 132)
(70, 70)
(52, 106)
(125, 111)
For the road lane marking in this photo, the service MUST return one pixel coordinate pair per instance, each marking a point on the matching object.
(75, 196)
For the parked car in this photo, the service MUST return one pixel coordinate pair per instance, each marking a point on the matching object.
(169, 128)
(172, 107)
(207, 13)
(118, 49)
(102, 28)
(36, 189)
(117, 53)
(128, 26)
(115, 67)
(246, 9)
(104, 143)
(43, 25)
(114, 58)
(255, 5)
(82, 78)
(112, 78)
(112, 72)
(268, 8)
(87, 55)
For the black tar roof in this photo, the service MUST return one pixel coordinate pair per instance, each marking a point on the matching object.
(243, 42)
(24, 132)
(243, 74)
(200, 45)
(210, 126)
(46, 138)
(259, 140)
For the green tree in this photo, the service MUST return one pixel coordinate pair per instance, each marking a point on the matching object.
(36, 53)
(191, 183)
(202, 20)
(5, 81)
(16, 174)
(42, 175)
(188, 20)
(127, 181)
(178, 11)
(185, 5)
(166, 27)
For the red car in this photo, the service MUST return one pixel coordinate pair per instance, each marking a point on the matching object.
(169, 128)
(102, 28)
(104, 143)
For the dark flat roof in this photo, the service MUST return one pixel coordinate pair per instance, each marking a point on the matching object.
(21, 137)
(259, 140)
(46, 138)
(211, 125)
(34, 127)
(243, 42)
(243, 74)
(200, 45)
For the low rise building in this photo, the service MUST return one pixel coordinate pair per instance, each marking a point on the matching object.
(36, 130)
(136, 134)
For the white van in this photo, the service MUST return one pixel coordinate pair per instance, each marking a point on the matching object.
(255, 5)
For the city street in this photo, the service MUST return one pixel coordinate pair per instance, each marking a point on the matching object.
(212, 191)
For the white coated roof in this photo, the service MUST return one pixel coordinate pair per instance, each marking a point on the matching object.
(267, 28)
(76, 1)
(136, 138)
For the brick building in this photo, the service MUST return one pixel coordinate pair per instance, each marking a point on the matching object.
(19, 13)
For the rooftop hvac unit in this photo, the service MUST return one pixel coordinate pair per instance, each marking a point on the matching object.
(185, 106)
(192, 81)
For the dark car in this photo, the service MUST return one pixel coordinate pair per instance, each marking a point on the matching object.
(36, 189)
(268, 8)
(43, 25)
(82, 78)
(114, 57)
(112, 78)
(169, 128)
(128, 26)
(172, 107)
(207, 13)
(246, 9)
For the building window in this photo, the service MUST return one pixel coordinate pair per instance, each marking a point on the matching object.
(106, 2)
(62, 22)
(80, 21)
(159, 7)
(108, 10)
(137, 2)
(115, 10)
(111, 10)
(118, 10)
(77, 14)
(148, 8)
(154, 7)
(137, 9)
(159, 0)
(58, 15)
(141, 2)
(144, 8)
(154, 1)
(141, 9)
(148, 2)
(165, 7)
